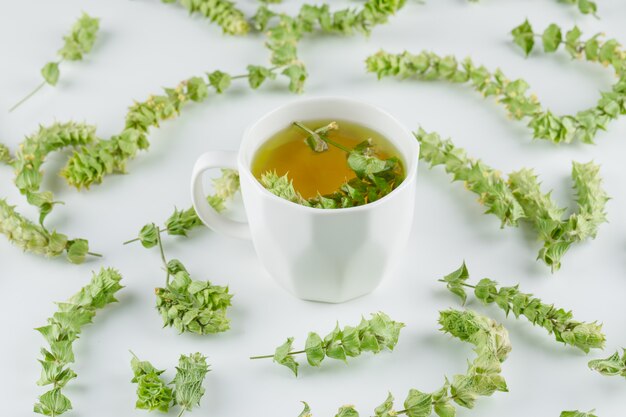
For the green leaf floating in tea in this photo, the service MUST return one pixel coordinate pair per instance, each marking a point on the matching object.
(373, 176)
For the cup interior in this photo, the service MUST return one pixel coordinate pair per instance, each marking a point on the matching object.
(338, 108)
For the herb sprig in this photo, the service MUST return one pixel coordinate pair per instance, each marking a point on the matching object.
(373, 335)
(556, 321)
(154, 394)
(285, 34)
(374, 177)
(34, 238)
(63, 328)
(188, 305)
(90, 164)
(182, 222)
(32, 153)
(78, 43)
(520, 197)
(514, 94)
(483, 376)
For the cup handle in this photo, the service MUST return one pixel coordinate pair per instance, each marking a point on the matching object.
(206, 213)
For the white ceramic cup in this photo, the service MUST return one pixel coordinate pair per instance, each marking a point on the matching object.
(329, 255)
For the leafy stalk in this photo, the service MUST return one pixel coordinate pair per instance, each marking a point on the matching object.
(556, 321)
(373, 335)
(614, 365)
(188, 305)
(284, 36)
(34, 238)
(154, 394)
(27, 163)
(222, 12)
(483, 376)
(521, 198)
(183, 221)
(32, 154)
(92, 163)
(514, 94)
(63, 328)
(77, 43)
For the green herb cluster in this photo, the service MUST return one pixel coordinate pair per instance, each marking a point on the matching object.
(483, 376)
(374, 177)
(77, 43)
(514, 94)
(188, 305)
(34, 238)
(27, 163)
(222, 12)
(32, 153)
(586, 123)
(63, 328)
(556, 321)
(183, 221)
(90, 164)
(520, 197)
(284, 36)
(154, 394)
(192, 306)
(614, 365)
(373, 335)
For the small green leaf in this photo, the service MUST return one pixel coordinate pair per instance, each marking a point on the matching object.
(552, 38)
(297, 76)
(197, 89)
(386, 408)
(50, 73)
(347, 411)
(455, 280)
(77, 250)
(418, 404)
(314, 348)
(445, 409)
(524, 37)
(282, 356)
(611, 366)
(306, 412)
(220, 81)
(148, 235)
(53, 403)
(257, 75)
(365, 165)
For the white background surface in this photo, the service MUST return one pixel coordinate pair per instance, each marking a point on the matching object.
(145, 45)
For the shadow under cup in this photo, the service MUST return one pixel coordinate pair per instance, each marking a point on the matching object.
(331, 255)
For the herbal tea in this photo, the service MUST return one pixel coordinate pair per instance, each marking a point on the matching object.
(324, 160)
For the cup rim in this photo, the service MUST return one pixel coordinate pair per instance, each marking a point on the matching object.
(410, 160)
